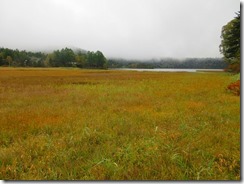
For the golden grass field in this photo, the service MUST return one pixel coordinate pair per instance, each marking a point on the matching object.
(72, 124)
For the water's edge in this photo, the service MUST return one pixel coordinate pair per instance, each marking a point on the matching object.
(169, 70)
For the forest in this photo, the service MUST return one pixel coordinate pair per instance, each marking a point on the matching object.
(59, 58)
(88, 59)
(188, 63)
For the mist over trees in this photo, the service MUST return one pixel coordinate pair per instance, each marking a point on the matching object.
(188, 63)
(59, 58)
(67, 57)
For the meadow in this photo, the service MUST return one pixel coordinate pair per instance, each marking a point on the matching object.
(73, 124)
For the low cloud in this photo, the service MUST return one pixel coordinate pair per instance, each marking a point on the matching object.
(139, 29)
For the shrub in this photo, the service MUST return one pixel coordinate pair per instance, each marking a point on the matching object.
(235, 68)
(234, 87)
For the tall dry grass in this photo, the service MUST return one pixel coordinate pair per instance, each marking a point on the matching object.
(67, 124)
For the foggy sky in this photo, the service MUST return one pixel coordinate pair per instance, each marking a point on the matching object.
(135, 29)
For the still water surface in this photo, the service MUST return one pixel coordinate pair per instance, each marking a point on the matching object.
(170, 70)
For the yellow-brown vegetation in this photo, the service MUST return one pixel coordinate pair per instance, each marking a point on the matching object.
(71, 124)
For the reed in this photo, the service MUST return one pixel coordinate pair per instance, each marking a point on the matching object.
(71, 124)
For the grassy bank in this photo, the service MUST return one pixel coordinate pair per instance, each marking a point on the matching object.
(59, 124)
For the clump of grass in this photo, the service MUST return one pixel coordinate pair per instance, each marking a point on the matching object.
(62, 124)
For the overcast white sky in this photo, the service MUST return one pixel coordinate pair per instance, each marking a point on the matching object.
(138, 29)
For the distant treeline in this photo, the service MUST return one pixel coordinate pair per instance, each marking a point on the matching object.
(88, 59)
(189, 63)
(59, 58)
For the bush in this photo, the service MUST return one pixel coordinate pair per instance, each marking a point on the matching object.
(234, 87)
(235, 68)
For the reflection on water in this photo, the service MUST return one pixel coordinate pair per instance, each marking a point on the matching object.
(170, 70)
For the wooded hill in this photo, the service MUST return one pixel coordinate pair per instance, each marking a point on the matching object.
(88, 59)
(189, 63)
(59, 58)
